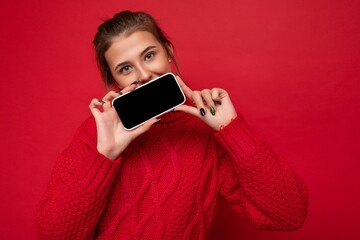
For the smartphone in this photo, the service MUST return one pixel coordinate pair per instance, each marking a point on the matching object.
(149, 100)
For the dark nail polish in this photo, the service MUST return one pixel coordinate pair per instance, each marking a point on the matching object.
(218, 102)
(101, 101)
(120, 93)
(202, 112)
(212, 110)
(157, 121)
(136, 83)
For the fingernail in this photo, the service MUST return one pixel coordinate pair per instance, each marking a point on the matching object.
(157, 121)
(174, 110)
(202, 112)
(212, 110)
(120, 93)
(135, 83)
(218, 102)
(101, 101)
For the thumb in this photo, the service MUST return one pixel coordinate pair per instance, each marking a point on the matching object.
(145, 127)
(188, 109)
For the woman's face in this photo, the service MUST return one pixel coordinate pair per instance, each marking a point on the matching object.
(137, 57)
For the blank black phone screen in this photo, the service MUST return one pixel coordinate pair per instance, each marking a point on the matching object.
(149, 100)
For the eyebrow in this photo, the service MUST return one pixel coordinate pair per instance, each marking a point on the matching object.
(141, 54)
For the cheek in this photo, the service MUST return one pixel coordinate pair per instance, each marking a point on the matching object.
(123, 82)
(157, 68)
(162, 66)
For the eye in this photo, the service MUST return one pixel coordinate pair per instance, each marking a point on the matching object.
(149, 56)
(125, 69)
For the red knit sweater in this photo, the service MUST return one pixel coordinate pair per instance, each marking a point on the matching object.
(167, 184)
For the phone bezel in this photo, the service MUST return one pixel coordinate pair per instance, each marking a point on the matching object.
(149, 82)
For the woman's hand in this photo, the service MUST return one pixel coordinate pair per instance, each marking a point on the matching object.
(112, 138)
(213, 106)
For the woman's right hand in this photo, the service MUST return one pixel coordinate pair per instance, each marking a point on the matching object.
(112, 138)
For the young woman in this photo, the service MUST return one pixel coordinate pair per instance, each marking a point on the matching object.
(164, 179)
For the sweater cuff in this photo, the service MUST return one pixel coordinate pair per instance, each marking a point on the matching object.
(98, 173)
(238, 138)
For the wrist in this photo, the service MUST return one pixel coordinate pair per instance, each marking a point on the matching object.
(112, 155)
(226, 122)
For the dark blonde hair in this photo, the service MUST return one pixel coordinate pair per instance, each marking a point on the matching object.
(126, 22)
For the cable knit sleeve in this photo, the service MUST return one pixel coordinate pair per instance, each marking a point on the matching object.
(259, 184)
(77, 191)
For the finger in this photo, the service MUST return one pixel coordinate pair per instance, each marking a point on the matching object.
(217, 94)
(94, 104)
(131, 87)
(198, 101)
(207, 98)
(206, 95)
(188, 109)
(145, 127)
(106, 100)
(106, 105)
(110, 96)
(184, 87)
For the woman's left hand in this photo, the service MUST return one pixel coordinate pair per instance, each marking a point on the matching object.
(213, 106)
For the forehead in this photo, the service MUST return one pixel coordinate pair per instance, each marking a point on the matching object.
(124, 46)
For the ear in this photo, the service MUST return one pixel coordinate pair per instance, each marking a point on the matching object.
(170, 50)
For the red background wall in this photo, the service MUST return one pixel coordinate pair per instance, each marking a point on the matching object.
(291, 67)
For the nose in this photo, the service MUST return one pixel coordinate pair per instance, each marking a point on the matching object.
(144, 75)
